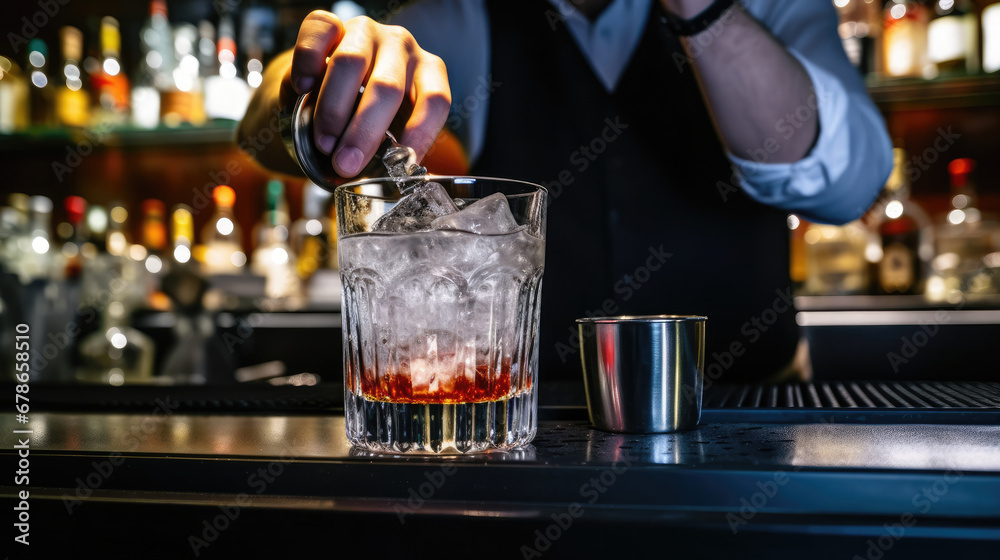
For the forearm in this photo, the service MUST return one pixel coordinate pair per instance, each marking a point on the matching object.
(264, 106)
(751, 84)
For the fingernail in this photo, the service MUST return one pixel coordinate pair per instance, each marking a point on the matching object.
(303, 84)
(326, 144)
(349, 161)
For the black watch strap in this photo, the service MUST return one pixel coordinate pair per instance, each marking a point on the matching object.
(697, 24)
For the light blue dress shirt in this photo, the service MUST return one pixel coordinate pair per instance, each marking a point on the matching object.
(836, 182)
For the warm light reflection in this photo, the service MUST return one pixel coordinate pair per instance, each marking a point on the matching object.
(182, 254)
(894, 209)
(137, 252)
(40, 245)
(224, 226)
(111, 67)
(238, 259)
(154, 264)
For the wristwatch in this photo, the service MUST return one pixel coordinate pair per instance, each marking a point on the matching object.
(688, 27)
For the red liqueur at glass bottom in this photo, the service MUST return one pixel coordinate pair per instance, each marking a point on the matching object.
(449, 414)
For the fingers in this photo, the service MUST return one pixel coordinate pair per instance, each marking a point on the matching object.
(318, 36)
(345, 74)
(390, 79)
(393, 69)
(431, 106)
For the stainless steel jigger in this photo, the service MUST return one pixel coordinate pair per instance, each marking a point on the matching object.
(297, 134)
(643, 374)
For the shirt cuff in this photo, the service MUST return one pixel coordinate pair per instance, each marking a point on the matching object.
(784, 184)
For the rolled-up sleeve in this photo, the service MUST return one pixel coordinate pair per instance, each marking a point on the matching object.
(852, 157)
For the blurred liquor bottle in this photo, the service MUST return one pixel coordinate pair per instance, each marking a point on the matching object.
(155, 66)
(991, 37)
(967, 239)
(861, 33)
(186, 287)
(157, 259)
(273, 257)
(72, 101)
(953, 37)
(222, 236)
(226, 94)
(798, 269)
(182, 234)
(74, 235)
(257, 30)
(905, 39)
(186, 101)
(14, 95)
(835, 259)
(174, 76)
(108, 84)
(906, 236)
(314, 236)
(42, 89)
(116, 353)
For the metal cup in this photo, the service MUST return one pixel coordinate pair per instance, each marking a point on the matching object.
(643, 374)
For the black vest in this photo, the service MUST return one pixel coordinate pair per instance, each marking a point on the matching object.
(643, 217)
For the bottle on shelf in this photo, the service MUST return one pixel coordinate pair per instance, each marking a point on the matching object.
(257, 40)
(42, 89)
(953, 37)
(14, 96)
(222, 236)
(109, 85)
(184, 102)
(313, 235)
(154, 235)
(860, 31)
(226, 94)
(208, 59)
(155, 66)
(991, 37)
(185, 287)
(116, 353)
(182, 232)
(17, 241)
(75, 235)
(906, 236)
(40, 263)
(179, 96)
(72, 101)
(835, 259)
(273, 257)
(314, 240)
(905, 39)
(97, 226)
(965, 237)
(157, 258)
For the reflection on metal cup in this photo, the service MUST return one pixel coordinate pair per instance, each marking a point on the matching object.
(643, 374)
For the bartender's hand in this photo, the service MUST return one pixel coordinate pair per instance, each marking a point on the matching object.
(335, 59)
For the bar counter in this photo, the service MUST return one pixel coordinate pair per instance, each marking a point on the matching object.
(174, 484)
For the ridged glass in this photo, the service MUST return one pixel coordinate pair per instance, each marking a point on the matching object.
(440, 327)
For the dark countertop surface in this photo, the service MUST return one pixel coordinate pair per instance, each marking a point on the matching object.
(721, 489)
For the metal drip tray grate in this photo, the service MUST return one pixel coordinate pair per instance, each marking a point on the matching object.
(857, 401)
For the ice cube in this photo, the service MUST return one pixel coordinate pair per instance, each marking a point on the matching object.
(490, 215)
(416, 211)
